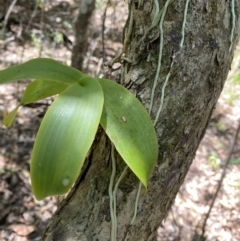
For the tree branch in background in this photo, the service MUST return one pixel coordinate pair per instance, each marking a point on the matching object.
(7, 16)
(221, 179)
(83, 21)
(103, 30)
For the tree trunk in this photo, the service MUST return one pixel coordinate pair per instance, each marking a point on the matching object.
(197, 72)
(82, 24)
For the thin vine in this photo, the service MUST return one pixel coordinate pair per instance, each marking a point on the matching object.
(136, 203)
(233, 23)
(155, 20)
(172, 63)
(140, 3)
(111, 198)
(113, 194)
(164, 10)
(184, 23)
(163, 93)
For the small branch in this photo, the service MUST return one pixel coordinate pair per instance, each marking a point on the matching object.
(31, 18)
(103, 30)
(221, 179)
(7, 16)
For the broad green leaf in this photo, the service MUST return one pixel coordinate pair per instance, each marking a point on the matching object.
(130, 128)
(41, 68)
(36, 90)
(8, 119)
(64, 138)
(41, 89)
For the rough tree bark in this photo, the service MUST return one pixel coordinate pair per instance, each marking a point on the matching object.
(196, 80)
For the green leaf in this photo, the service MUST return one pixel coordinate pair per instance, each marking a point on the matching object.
(41, 89)
(8, 119)
(36, 90)
(130, 128)
(41, 68)
(64, 138)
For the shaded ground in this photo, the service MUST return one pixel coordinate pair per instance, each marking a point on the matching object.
(31, 32)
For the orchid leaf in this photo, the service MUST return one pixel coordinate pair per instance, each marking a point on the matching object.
(64, 138)
(128, 125)
(40, 89)
(8, 119)
(36, 90)
(41, 68)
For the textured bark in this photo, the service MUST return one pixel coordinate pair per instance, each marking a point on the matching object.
(196, 81)
(82, 24)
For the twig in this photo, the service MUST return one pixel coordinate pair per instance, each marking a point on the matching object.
(32, 17)
(42, 28)
(221, 179)
(7, 16)
(103, 30)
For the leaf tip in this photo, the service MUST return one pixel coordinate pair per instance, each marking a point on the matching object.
(8, 118)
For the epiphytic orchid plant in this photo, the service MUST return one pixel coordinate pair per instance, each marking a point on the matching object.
(70, 124)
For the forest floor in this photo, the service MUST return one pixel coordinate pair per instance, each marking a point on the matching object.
(30, 32)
